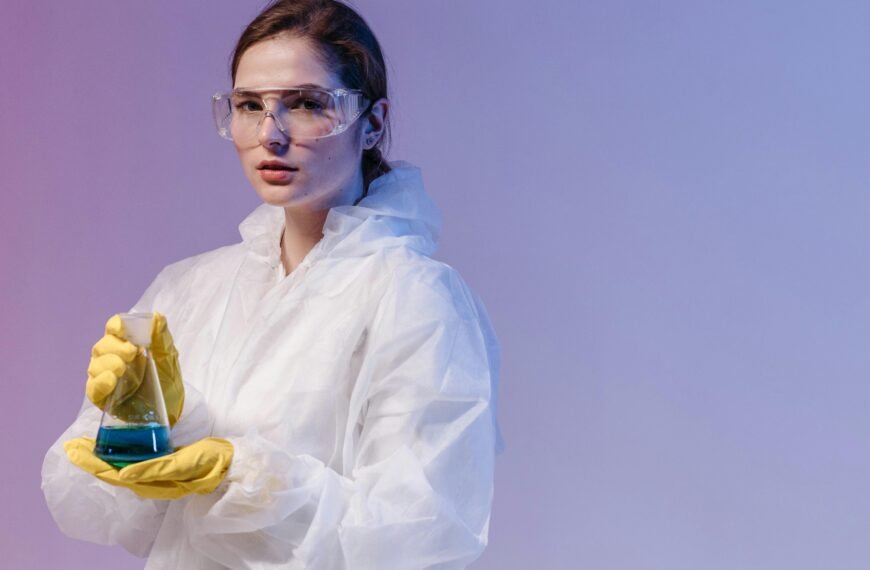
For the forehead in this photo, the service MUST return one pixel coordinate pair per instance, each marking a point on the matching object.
(283, 61)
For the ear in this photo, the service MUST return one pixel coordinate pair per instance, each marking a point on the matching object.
(375, 122)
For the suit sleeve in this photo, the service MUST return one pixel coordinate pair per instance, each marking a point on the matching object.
(88, 509)
(419, 492)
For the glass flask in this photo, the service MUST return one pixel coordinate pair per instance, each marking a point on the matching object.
(135, 426)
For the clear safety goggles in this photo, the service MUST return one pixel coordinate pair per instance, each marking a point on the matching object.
(299, 113)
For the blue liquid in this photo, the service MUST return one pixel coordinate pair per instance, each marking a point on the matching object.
(120, 446)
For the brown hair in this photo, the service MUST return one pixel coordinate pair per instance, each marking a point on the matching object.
(345, 42)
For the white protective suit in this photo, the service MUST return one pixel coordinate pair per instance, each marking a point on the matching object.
(358, 391)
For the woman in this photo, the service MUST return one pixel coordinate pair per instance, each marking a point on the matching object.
(331, 385)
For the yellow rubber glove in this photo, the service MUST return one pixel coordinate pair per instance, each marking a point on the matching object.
(196, 468)
(113, 357)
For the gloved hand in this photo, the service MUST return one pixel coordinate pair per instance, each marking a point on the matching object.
(196, 468)
(114, 357)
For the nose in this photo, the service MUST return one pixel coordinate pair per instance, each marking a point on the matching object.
(270, 132)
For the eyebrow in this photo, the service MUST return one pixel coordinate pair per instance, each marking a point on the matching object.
(302, 86)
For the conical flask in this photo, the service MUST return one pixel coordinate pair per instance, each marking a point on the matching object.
(135, 426)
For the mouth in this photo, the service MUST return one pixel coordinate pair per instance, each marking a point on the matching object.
(274, 165)
(275, 172)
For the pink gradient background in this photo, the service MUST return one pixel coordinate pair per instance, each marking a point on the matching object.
(663, 204)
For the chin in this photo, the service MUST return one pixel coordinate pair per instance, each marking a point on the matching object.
(285, 197)
(275, 195)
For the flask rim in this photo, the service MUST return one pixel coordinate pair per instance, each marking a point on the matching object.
(137, 327)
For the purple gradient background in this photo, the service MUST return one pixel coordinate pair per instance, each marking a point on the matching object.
(663, 204)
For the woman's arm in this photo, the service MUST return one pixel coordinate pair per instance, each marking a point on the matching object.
(88, 509)
(420, 489)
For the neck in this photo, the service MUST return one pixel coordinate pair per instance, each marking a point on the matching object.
(303, 225)
(301, 233)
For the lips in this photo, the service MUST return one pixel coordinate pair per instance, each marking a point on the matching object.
(276, 173)
(275, 165)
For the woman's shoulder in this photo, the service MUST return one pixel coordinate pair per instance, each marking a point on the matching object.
(430, 285)
(178, 277)
(215, 262)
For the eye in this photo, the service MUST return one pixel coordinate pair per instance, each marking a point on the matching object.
(307, 102)
(247, 105)
(310, 105)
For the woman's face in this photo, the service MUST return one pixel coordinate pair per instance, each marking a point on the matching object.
(324, 172)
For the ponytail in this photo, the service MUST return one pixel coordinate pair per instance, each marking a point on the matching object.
(373, 166)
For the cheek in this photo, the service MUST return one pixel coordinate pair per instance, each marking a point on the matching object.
(242, 153)
(344, 152)
(331, 153)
